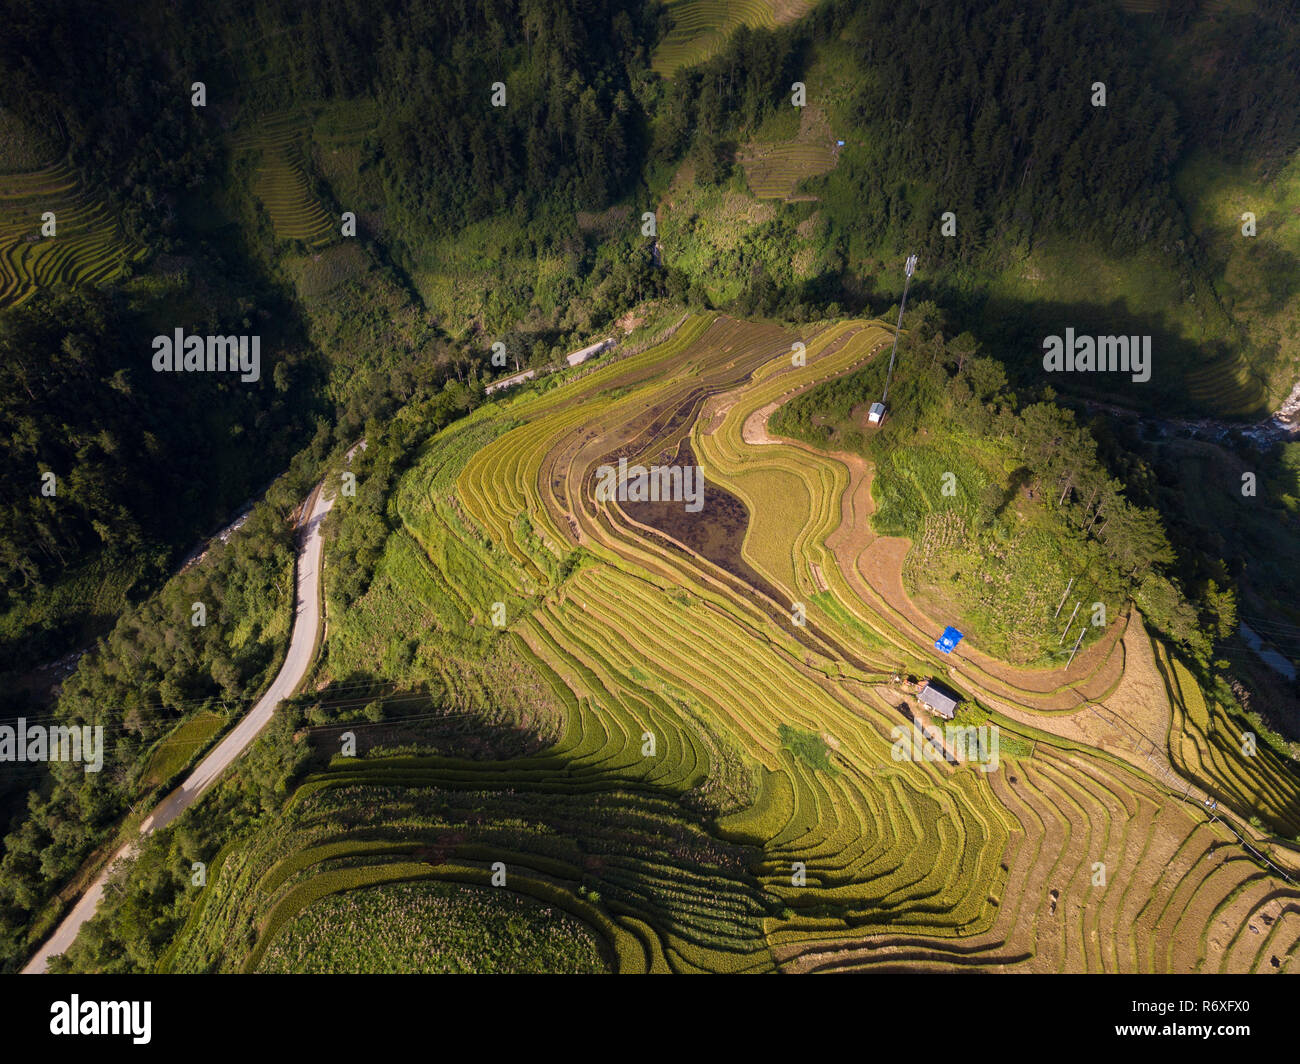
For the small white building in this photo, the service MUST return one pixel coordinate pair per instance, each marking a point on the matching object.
(579, 357)
(876, 414)
(511, 381)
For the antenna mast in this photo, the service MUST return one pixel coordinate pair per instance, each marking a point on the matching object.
(909, 269)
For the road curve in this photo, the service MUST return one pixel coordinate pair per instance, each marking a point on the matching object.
(302, 649)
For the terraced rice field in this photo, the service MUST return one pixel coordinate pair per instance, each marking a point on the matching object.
(1210, 748)
(701, 27)
(280, 180)
(719, 848)
(1226, 384)
(775, 171)
(88, 248)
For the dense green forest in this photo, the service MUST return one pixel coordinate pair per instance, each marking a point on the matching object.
(975, 108)
(139, 460)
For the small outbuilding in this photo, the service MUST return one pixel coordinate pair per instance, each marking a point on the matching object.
(947, 642)
(511, 381)
(938, 700)
(876, 414)
(579, 357)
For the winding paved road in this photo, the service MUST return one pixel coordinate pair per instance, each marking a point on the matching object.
(302, 649)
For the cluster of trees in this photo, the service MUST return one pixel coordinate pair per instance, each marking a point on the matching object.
(356, 544)
(142, 462)
(620, 272)
(944, 386)
(1093, 504)
(440, 157)
(77, 438)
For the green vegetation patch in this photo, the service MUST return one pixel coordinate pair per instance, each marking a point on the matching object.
(179, 748)
(434, 928)
(1014, 519)
(808, 747)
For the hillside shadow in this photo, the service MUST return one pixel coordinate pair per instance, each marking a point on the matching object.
(384, 715)
(647, 845)
(1012, 330)
(1019, 480)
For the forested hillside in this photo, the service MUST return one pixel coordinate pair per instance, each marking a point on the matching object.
(984, 111)
(975, 108)
(108, 463)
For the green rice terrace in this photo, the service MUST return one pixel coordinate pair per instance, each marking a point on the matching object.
(700, 28)
(636, 735)
(88, 246)
(274, 147)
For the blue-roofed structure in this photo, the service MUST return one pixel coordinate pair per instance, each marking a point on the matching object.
(950, 638)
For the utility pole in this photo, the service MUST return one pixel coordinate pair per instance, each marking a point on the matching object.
(1063, 598)
(909, 268)
(1068, 626)
(1076, 646)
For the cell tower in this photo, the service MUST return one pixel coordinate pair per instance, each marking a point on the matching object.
(877, 411)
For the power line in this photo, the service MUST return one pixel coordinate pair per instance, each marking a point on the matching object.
(40, 769)
(183, 703)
